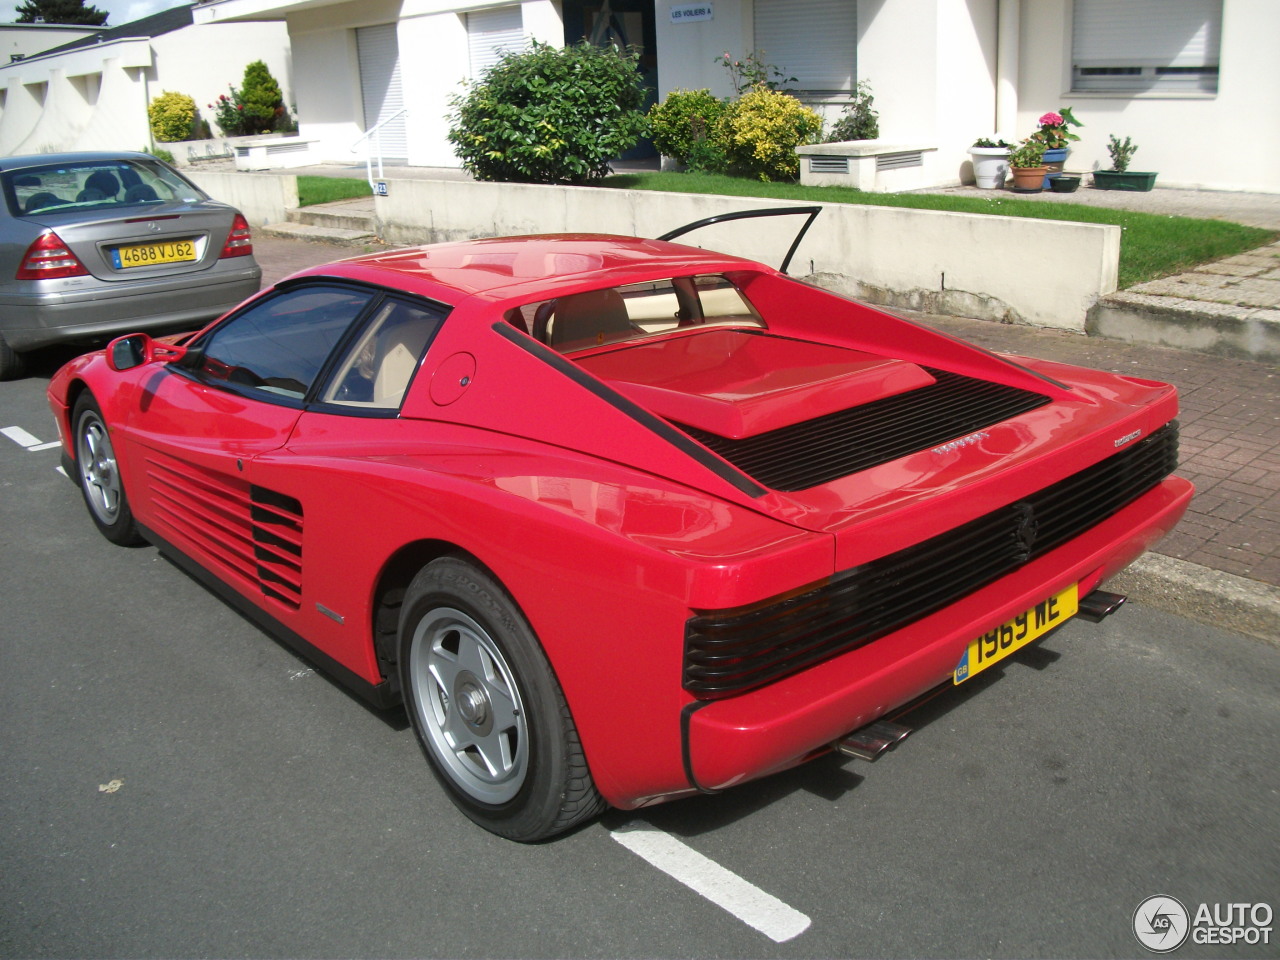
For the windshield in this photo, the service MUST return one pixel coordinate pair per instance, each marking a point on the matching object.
(92, 185)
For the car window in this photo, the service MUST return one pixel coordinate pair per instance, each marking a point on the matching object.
(278, 345)
(583, 320)
(92, 185)
(376, 370)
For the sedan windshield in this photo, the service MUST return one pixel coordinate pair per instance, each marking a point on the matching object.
(98, 184)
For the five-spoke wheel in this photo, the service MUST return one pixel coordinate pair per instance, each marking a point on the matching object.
(98, 473)
(487, 708)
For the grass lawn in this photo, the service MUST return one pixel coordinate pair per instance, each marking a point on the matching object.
(313, 190)
(1152, 245)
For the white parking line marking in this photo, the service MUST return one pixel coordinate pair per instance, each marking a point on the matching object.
(24, 439)
(20, 437)
(703, 876)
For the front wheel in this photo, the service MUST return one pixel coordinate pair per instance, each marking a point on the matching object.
(487, 709)
(98, 474)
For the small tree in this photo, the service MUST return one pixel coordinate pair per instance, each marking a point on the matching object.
(549, 115)
(260, 95)
(172, 116)
(61, 11)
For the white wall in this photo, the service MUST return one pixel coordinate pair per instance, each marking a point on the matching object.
(25, 39)
(434, 62)
(96, 96)
(687, 52)
(203, 60)
(1226, 141)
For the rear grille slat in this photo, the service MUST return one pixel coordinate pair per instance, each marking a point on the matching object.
(728, 652)
(820, 450)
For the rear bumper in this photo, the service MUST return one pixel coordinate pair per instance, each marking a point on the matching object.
(730, 741)
(36, 318)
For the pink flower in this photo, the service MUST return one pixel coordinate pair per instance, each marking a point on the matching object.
(1051, 120)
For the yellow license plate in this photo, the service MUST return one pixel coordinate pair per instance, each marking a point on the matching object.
(149, 254)
(994, 645)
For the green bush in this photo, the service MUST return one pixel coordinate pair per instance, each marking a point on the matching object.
(759, 133)
(859, 122)
(261, 98)
(683, 127)
(549, 115)
(160, 154)
(172, 117)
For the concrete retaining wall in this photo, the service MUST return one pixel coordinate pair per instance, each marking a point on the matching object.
(262, 197)
(1043, 272)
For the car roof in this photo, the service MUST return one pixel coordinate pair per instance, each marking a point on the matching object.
(505, 267)
(52, 159)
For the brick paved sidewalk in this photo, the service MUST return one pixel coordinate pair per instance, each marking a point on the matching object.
(1230, 423)
(1230, 438)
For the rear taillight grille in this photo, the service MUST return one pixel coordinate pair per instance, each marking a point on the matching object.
(822, 449)
(728, 652)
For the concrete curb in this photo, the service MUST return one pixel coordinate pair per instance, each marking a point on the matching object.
(1244, 333)
(1203, 594)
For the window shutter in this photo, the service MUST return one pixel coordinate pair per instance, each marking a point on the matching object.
(815, 41)
(379, 55)
(1146, 33)
(490, 32)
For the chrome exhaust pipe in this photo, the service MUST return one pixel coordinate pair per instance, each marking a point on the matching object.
(872, 740)
(1099, 605)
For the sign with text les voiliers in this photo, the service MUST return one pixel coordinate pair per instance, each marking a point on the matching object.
(690, 12)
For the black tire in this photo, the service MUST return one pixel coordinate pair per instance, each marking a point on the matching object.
(12, 366)
(488, 712)
(98, 474)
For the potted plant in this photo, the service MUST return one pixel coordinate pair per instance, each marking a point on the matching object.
(1055, 134)
(1120, 177)
(990, 162)
(1027, 164)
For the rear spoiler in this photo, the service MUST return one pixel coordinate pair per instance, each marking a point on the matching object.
(810, 214)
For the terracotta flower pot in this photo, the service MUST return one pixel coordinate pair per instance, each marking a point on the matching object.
(1028, 178)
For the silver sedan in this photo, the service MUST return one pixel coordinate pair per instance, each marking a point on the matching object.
(99, 244)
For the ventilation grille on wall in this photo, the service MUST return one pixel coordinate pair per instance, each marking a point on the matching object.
(828, 164)
(894, 161)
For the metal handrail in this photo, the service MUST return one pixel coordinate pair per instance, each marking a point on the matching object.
(375, 132)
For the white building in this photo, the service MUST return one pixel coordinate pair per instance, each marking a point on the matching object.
(92, 93)
(18, 40)
(1194, 82)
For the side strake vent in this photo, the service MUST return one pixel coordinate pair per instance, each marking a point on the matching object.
(820, 450)
(728, 652)
(253, 534)
(277, 544)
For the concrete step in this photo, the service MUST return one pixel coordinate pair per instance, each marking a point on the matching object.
(320, 234)
(341, 215)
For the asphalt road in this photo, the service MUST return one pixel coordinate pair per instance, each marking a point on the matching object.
(176, 784)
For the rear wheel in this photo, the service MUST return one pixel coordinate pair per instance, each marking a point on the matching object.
(98, 474)
(12, 366)
(487, 709)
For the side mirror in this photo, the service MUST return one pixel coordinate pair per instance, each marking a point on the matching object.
(125, 353)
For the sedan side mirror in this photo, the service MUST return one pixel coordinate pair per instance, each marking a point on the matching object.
(125, 353)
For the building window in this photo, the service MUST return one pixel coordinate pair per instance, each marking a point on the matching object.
(1132, 46)
(490, 33)
(815, 41)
